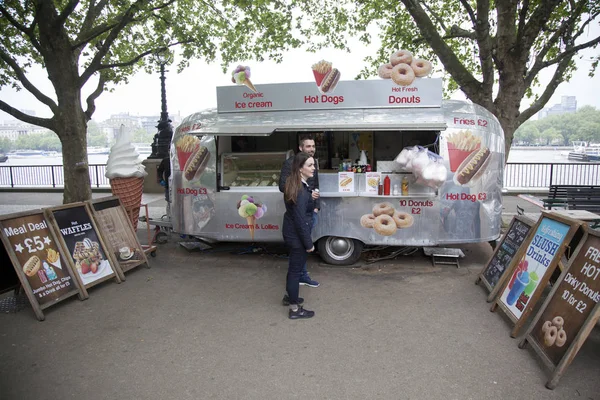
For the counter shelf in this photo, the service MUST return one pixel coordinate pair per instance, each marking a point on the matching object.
(337, 194)
(359, 194)
(328, 184)
(409, 196)
(253, 189)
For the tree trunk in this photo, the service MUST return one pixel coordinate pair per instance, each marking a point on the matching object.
(507, 103)
(509, 127)
(73, 137)
(506, 109)
(69, 121)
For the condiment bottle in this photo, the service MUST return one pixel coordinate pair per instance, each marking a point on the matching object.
(396, 190)
(368, 167)
(386, 186)
(405, 186)
(49, 271)
(380, 189)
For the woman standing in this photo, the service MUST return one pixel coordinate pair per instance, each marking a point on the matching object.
(297, 222)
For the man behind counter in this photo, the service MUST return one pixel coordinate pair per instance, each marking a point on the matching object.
(307, 145)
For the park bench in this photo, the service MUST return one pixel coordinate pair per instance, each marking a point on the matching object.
(569, 197)
(573, 197)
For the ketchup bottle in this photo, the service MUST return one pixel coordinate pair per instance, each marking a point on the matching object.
(386, 186)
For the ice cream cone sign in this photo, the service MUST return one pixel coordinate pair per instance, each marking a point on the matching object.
(251, 210)
(241, 76)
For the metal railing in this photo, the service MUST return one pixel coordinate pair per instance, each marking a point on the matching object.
(516, 175)
(46, 176)
(542, 175)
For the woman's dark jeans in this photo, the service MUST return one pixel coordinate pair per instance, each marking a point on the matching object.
(297, 260)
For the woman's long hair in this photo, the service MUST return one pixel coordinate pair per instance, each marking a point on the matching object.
(293, 183)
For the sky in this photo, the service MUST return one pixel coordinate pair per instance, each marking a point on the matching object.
(195, 88)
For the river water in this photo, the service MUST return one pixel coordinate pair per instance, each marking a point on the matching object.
(516, 155)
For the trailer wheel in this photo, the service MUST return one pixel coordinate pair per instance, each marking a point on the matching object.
(338, 250)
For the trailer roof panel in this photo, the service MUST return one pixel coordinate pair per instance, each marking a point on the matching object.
(265, 123)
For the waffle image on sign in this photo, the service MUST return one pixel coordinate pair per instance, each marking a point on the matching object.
(82, 252)
(87, 255)
(79, 248)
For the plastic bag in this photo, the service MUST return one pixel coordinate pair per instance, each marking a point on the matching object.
(428, 167)
(434, 175)
(406, 157)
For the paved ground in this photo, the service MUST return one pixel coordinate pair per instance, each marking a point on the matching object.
(201, 325)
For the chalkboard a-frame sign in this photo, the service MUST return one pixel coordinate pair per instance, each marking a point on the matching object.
(570, 311)
(532, 267)
(37, 257)
(80, 237)
(493, 274)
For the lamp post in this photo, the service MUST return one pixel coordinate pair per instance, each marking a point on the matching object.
(162, 140)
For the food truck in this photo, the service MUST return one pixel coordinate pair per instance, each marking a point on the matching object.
(226, 164)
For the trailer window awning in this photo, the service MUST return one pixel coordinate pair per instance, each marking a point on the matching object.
(266, 123)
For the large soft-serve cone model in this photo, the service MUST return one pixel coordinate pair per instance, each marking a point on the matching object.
(126, 174)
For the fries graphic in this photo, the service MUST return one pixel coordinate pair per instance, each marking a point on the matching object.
(185, 147)
(322, 67)
(187, 143)
(464, 140)
(52, 256)
(460, 145)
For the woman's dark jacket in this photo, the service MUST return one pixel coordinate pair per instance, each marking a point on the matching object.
(313, 182)
(297, 221)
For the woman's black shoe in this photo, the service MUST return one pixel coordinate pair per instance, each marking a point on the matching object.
(301, 313)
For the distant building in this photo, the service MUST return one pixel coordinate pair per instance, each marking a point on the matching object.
(149, 123)
(16, 130)
(132, 123)
(568, 104)
(111, 127)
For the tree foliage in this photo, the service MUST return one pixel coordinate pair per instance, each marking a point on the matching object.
(562, 129)
(141, 135)
(5, 145)
(494, 52)
(95, 136)
(47, 141)
(87, 47)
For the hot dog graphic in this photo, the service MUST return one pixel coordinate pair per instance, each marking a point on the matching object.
(473, 166)
(196, 164)
(345, 182)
